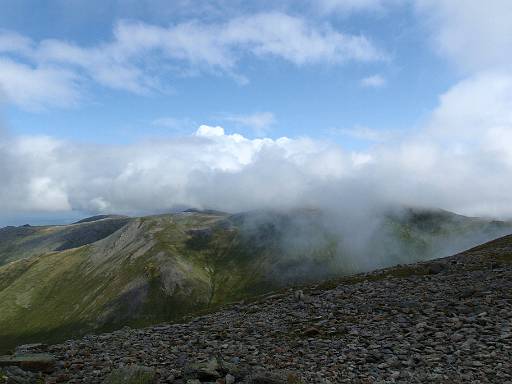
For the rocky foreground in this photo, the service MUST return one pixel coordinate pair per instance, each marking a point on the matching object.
(446, 321)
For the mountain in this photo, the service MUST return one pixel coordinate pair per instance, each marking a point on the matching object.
(108, 271)
(440, 321)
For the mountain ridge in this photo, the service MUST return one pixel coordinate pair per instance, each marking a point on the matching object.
(444, 320)
(144, 270)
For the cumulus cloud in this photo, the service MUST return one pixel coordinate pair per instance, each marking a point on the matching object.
(159, 175)
(473, 34)
(462, 157)
(435, 167)
(469, 134)
(28, 166)
(475, 106)
(139, 53)
(460, 160)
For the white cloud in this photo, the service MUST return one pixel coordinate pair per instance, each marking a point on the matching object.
(107, 64)
(460, 160)
(475, 35)
(475, 114)
(296, 40)
(474, 106)
(433, 167)
(475, 117)
(374, 81)
(15, 43)
(45, 174)
(465, 148)
(138, 56)
(219, 46)
(29, 167)
(39, 86)
(208, 131)
(259, 122)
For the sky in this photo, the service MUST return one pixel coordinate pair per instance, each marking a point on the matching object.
(138, 107)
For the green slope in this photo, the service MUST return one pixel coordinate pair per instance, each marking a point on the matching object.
(109, 272)
(148, 271)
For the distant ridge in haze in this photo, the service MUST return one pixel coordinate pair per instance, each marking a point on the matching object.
(99, 217)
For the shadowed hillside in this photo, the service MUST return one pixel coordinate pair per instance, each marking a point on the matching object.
(444, 320)
(106, 272)
(22, 242)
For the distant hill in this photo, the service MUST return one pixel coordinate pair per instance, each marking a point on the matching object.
(100, 217)
(26, 241)
(108, 271)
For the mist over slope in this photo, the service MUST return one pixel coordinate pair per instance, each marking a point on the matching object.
(103, 273)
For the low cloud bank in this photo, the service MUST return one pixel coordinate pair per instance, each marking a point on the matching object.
(461, 160)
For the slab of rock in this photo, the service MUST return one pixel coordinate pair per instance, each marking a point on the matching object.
(435, 268)
(31, 348)
(15, 375)
(204, 371)
(36, 362)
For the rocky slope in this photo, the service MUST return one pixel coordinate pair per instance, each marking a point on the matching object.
(106, 272)
(443, 321)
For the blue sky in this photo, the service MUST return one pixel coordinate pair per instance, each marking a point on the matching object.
(312, 99)
(329, 92)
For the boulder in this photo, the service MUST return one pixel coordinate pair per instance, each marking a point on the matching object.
(31, 349)
(208, 371)
(435, 268)
(36, 362)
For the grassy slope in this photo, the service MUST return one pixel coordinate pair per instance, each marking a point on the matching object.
(146, 272)
(160, 268)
